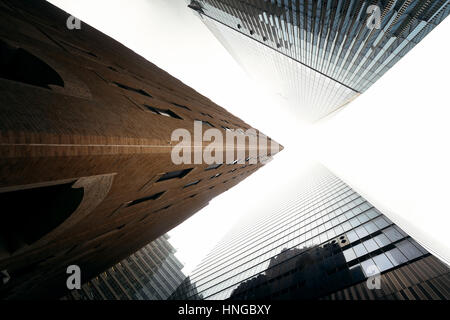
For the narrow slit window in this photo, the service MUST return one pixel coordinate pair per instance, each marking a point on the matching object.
(206, 123)
(152, 197)
(174, 174)
(140, 91)
(192, 183)
(181, 106)
(166, 113)
(207, 115)
(163, 208)
(216, 175)
(213, 166)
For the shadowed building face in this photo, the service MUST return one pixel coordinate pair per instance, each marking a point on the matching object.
(86, 175)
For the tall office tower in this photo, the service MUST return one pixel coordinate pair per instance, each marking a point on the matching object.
(86, 173)
(327, 243)
(152, 273)
(319, 55)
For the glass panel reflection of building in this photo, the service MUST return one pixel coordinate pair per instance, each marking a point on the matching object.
(324, 244)
(318, 55)
(152, 273)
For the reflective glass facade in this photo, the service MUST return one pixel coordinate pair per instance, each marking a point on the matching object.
(325, 240)
(318, 55)
(152, 273)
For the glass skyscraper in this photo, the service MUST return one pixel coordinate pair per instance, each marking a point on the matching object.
(319, 55)
(327, 243)
(152, 273)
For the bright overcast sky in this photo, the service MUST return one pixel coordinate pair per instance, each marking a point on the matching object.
(391, 144)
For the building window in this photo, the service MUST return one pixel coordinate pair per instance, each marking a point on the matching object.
(216, 175)
(207, 115)
(166, 113)
(205, 123)
(30, 214)
(140, 91)
(181, 106)
(152, 197)
(174, 174)
(192, 183)
(213, 166)
(163, 208)
(19, 65)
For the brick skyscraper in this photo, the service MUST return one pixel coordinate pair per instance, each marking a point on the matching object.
(86, 176)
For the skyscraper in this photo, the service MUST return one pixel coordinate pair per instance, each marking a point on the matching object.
(319, 55)
(86, 173)
(327, 243)
(152, 273)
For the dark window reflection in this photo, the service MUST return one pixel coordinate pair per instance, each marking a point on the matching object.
(306, 273)
(186, 286)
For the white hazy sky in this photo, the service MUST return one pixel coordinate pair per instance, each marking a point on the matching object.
(391, 144)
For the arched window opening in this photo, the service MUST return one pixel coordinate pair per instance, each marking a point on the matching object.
(17, 64)
(30, 214)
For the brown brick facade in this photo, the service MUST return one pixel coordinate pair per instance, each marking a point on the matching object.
(75, 116)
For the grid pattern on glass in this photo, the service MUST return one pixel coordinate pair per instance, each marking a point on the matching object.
(327, 214)
(292, 81)
(320, 52)
(152, 273)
